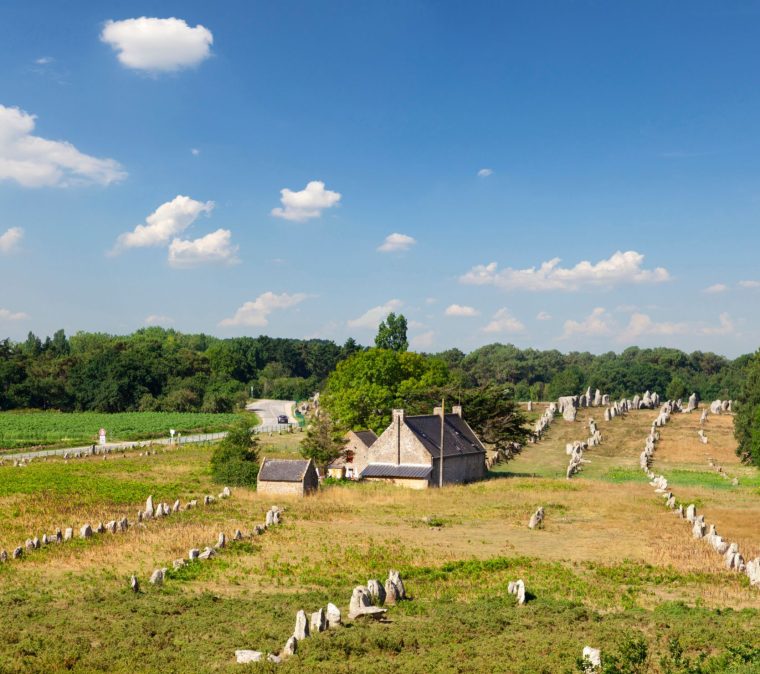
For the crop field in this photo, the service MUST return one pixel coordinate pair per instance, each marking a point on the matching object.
(612, 568)
(29, 429)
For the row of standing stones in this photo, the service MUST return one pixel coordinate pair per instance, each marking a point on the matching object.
(730, 551)
(114, 526)
(158, 576)
(367, 601)
(95, 450)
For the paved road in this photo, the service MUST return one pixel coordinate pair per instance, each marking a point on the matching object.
(269, 410)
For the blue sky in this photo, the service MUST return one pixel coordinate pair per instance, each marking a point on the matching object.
(485, 139)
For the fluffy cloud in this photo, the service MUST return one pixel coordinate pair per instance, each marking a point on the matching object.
(725, 327)
(396, 243)
(485, 172)
(32, 161)
(214, 248)
(716, 289)
(543, 316)
(750, 285)
(157, 45)
(10, 239)
(617, 269)
(306, 204)
(158, 319)
(503, 321)
(165, 222)
(640, 325)
(7, 315)
(371, 319)
(597, 324)
(256, 313)
(460, 310)
(422, 341)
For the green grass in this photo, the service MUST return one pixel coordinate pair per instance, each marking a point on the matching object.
(34, 428)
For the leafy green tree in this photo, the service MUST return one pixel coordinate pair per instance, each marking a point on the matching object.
(324, 440)
(747, 416)
(235, 460)
(391, 334)
(676, 389)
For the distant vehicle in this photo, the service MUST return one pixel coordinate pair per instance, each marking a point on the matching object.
(283, 419)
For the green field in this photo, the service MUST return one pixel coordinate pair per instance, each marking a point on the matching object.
(36, 428)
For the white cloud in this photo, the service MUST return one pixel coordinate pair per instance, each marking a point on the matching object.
(168, 220)
(430, 300)
(422, 341)
(158, 319)
(726, 326)
(214, 248)
(44, 60)
(396, 243)
(619, 268)
(543, 316)
(7, 315)
(32, 161)
(460, 310)
(485, 172)
(371, 319)
(256, 313)
(306, 204)
(157, 45)
(749, 284)
(503, 321)
(10, 239)
(194, 151)
(716, 289)
(597, 324)
(642, 325)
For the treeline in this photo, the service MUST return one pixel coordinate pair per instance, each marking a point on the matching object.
(546, 375)
(160, 370)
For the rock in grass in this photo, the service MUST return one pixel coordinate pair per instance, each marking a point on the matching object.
(208, 500)
(269, 522)
(178, 564)
(85, 531)
(111, 526)
(29, 545)
(226, 493)
(517, 588)
(318, 621)
(333, 612)
(391, 592)
(100, 528)
(3, 556)
(222, 540)
(148, 508)
(276, 659)
(301, 630)
(376, 591)
(176, 507)
(157, 577)
(134, 584)
(592, 659)
(291, 646)
(691, 512)
(537, 519)
(258, 530)
(361, 605)
(395, 576)
(68, 534)
(193, 554)
(243, 657)
(753, 571)
(208, 553)
(18, 553)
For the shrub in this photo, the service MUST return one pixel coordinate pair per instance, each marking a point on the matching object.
(235, 460)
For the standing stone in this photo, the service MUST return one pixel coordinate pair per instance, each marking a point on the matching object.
(698, 530)
(58, 536)
(177, 506)
(391, 592)
(395, 577)
(177, 564)
(193, 554)
(691, 512)
(134, 584)
(238, 535)
(149, 508)
(157, 577)
(18, 553)
(537, 519)
(569, 413)
(376, 591)
(597, 398)
(207, 553)
(111, 526)
(333, 615)
(291, 646)
(270, 519)
(86, 531)
(226, 492)
(244, 657)
(318, 621)
(68, 534)
(361, 604)
(530, 406)
(592, 659)
(517, 588)
(222, 540)
(302, 626)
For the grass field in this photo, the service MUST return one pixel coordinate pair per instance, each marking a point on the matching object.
(28, 429)
(611, 565)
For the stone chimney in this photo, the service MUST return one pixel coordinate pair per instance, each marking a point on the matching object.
(457, 409)
(438, 411)
(398, 415)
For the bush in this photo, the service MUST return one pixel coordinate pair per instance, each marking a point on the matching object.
(235, 460)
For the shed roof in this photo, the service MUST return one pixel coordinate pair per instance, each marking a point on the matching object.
(367, 437)
(458, 437)
(405, 470)
(283, 470)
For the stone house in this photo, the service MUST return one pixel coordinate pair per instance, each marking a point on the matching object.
(287, 477)
(355, 455)
(408, 451)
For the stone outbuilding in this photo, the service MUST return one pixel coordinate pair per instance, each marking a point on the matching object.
(284, 477)
(355, 455)
(408, 451)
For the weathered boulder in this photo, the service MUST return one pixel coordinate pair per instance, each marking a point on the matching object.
(157, 577)
(537, 519)
(18, 553)
(592, 659)
(376, 592)
(691, 512)
(291, 646)
(238, 535)
(244, 657)
(207, 553)
(193, 554)
(361, 605)
(333, 615)
(301, 630)
(68, 534)
(517, 588)
(177, 564)
(226, 493)
(395, 577)
(221, 541)
(318, 621)
(134, 584)
(85, 531)
(177, 506)
(148, 512)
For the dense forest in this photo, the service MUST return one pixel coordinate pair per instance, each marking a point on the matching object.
(156, 369)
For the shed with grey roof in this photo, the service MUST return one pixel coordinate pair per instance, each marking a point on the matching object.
(294, 477)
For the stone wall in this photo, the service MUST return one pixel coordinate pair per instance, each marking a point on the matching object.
(460, 469)
(280, 488)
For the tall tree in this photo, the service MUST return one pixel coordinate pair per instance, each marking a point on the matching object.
(391, 334)
(324, 440)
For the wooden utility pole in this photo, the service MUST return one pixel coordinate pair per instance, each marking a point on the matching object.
(440, 462)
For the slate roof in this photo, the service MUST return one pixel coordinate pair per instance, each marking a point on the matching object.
(458, 437)
(367, 437)
(283, 470)
(405, 470)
